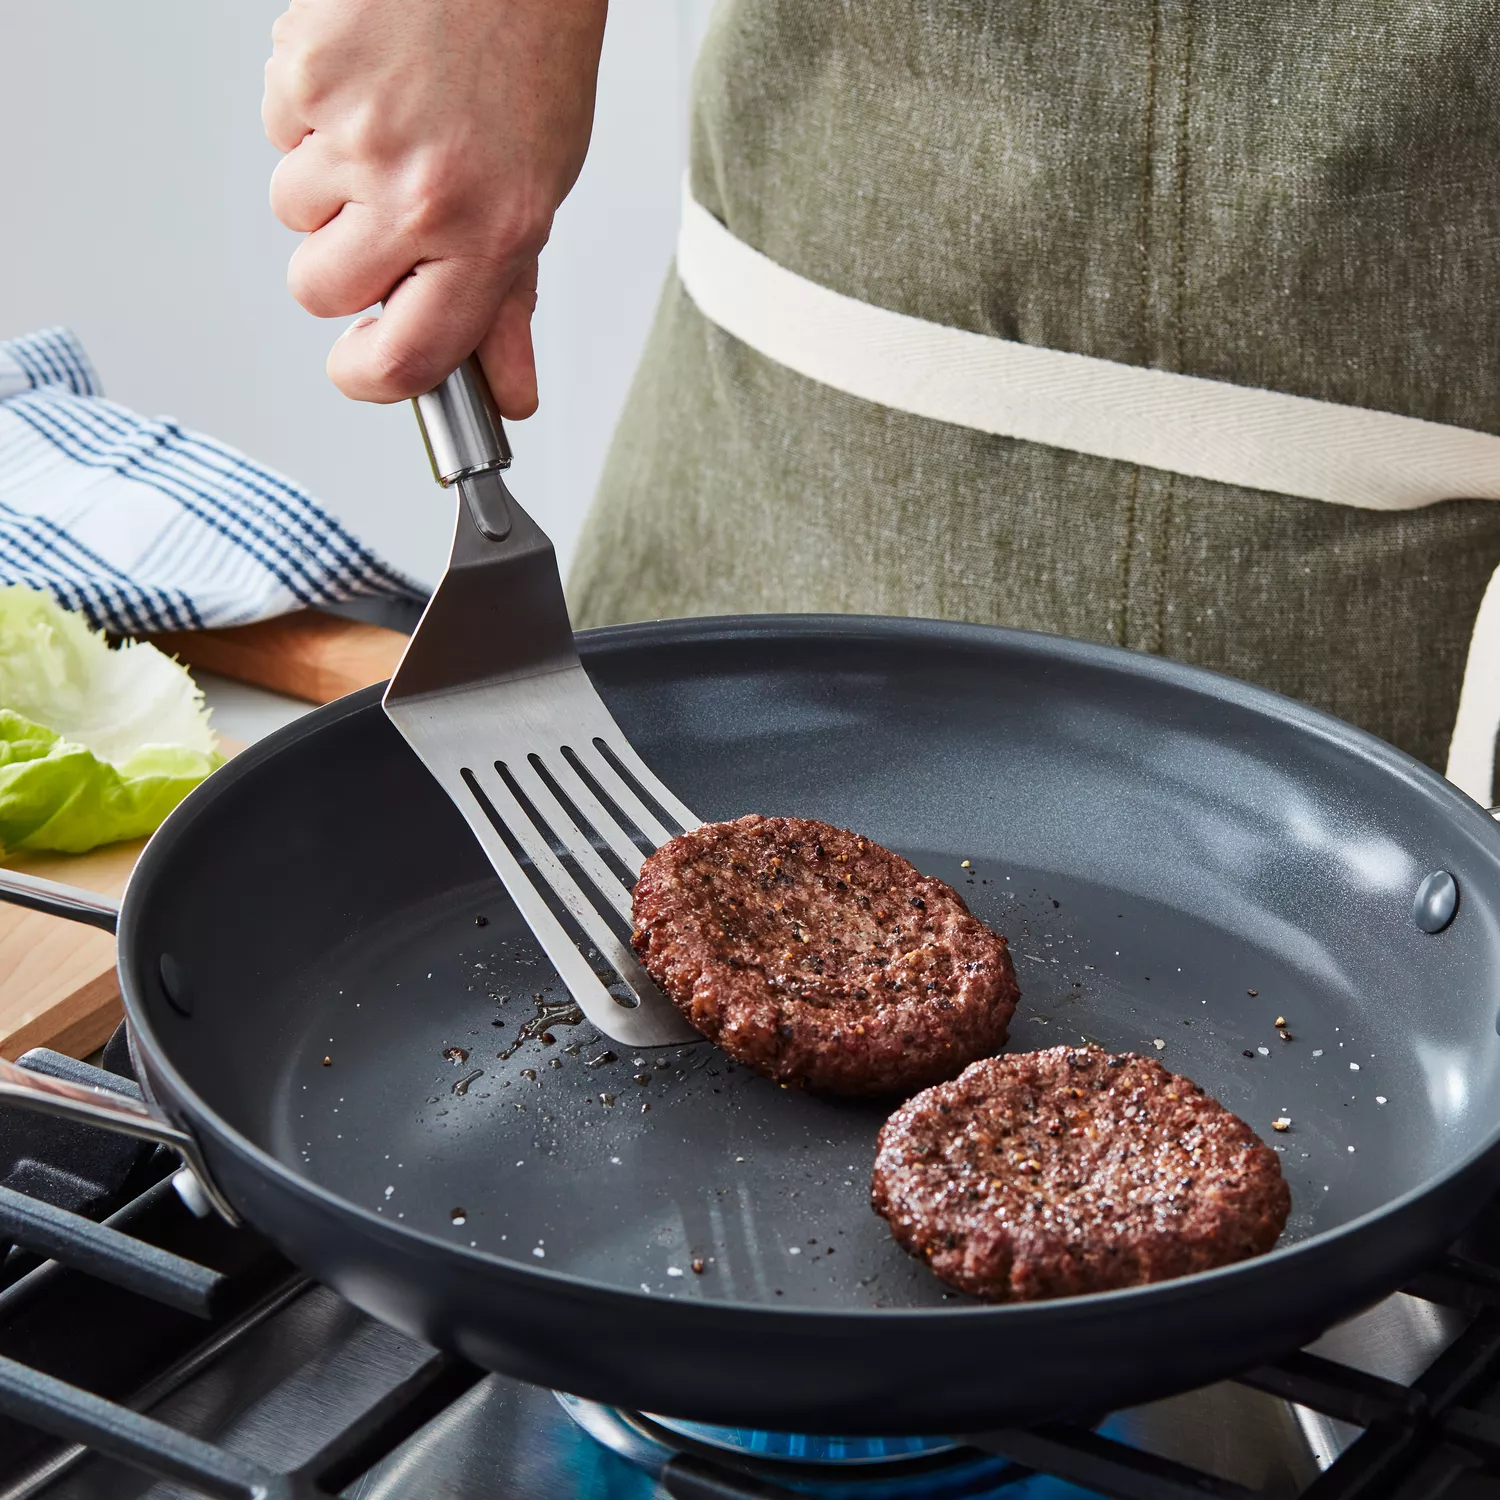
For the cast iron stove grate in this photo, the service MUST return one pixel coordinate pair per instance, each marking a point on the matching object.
(105, 1327)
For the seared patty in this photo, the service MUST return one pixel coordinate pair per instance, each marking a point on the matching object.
(1048, 1174)
(820, 958)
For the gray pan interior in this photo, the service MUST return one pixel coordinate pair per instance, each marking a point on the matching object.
(1177, 861)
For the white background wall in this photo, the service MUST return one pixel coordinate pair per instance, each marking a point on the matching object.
(133, 208)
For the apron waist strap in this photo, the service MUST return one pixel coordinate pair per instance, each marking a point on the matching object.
(1262, 440)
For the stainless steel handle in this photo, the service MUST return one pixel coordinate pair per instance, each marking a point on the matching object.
(46, 1095)
(79, 1102)
(59, 900)
(43, 1094)
(461, 426)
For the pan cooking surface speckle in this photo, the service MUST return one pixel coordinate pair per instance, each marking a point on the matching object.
(460, 1096)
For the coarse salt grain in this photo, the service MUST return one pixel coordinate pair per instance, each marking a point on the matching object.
(674, 1270)
(1380, 1098)
(1354, 1067)
(1264, 1051)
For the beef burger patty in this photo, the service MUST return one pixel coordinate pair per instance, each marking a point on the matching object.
(820, 958)
(1048, 1174)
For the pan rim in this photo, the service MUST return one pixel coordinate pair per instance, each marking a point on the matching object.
(787, 629)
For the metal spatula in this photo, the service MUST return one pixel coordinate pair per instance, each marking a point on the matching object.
(492, 697)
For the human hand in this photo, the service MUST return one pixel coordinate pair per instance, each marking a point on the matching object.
(427, 145)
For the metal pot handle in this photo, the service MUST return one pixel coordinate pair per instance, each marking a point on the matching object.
(77, 1101)
(88, 1106)
(59, 900)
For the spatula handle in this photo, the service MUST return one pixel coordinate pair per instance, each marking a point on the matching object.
(461, 426)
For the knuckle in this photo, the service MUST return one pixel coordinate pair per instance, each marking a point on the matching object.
(293, 211)
(366, 133)
(304, 195)
(301, 83)
(320, 294)
(283, 197)
(397, 368)
(428, 198)
(297, 75)
(284, 110)
(273, 113)
(521, 227)
(442, 197)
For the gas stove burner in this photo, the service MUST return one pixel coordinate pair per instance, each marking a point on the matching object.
(804, 1447)
(895, 1468)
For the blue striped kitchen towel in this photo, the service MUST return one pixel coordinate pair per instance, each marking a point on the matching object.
(144, 526)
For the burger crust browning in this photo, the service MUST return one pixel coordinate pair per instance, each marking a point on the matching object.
(1050, 1174)
(821, 958)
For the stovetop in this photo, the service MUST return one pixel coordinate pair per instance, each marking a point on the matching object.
(159, 1355)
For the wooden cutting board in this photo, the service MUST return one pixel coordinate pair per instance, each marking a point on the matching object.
(57, 979)
(305, 655)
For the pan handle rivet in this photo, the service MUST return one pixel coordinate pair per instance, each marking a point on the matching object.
(1437, 901)
(174, 985)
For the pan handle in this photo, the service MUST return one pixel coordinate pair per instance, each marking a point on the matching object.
(85, 1105)
(77, 1101)
(59, 900)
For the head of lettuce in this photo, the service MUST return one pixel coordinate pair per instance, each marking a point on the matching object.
(96, 743)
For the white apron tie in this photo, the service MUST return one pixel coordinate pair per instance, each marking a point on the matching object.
(1209, 429)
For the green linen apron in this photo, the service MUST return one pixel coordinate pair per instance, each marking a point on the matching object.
(1300, 199)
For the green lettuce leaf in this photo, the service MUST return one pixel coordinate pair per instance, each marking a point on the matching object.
(96, 744)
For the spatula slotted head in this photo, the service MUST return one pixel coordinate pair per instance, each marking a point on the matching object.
(492, 698)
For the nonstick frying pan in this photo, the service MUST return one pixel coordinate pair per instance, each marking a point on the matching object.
(326, 987)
